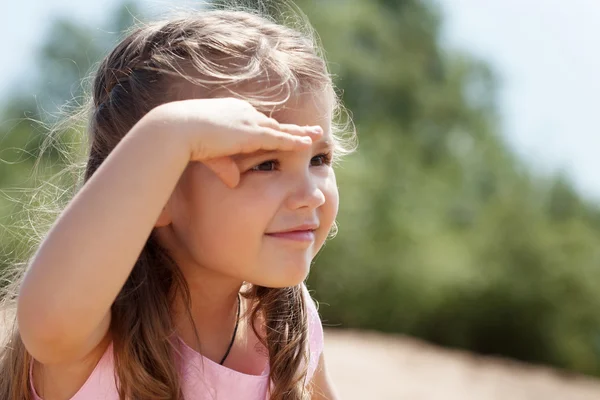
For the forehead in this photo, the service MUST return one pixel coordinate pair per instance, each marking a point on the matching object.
(307, 109)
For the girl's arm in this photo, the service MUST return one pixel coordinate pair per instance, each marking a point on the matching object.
(65, 299)
(63, 309)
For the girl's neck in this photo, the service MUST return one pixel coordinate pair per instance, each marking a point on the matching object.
(213, 309)
(213, 306)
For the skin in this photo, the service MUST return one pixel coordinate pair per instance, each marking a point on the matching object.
(205, 219)
(149, 169)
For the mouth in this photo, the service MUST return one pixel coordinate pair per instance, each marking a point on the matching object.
(303, 233)
(300, 236)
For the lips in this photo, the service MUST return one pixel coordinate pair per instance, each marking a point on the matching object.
(298, 228)
(303, 233)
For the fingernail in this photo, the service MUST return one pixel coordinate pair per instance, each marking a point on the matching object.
(316, 129)
(306, 139)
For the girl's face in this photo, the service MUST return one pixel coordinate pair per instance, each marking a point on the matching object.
(237, 232)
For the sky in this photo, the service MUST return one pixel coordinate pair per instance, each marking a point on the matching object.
(548, 62)
(546, 58)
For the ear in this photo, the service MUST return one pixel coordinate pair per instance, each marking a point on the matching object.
(164, 218)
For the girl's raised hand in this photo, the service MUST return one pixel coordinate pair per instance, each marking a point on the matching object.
(216, 129)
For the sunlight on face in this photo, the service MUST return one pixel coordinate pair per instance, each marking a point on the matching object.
(245, 232)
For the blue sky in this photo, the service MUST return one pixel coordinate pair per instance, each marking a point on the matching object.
(546, 53)
(546, 57)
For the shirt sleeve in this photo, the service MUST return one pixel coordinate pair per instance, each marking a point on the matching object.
(315, 333)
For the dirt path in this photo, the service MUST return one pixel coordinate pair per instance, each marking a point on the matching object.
(373, 366)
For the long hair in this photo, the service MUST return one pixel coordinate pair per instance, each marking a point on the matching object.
(224, 53)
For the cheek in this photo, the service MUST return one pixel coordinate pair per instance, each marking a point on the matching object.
(332, 203)
(228, 225)
(332, 195)
(328, 211)
(335, 194)
(226, 231)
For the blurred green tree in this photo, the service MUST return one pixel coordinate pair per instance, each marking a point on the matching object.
(444, 233)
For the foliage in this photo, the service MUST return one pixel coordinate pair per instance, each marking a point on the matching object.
(444, 232)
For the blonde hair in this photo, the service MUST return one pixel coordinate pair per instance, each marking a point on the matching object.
(224, 53)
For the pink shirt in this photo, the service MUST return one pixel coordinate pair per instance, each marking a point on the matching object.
(203, 379)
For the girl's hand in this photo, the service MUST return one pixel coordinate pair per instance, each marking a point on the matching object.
(216, 129)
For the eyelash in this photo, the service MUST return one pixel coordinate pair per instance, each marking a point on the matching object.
(325, 157)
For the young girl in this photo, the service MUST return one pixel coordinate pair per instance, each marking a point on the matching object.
(177, 271)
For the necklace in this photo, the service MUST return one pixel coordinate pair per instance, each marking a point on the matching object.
(237, 320)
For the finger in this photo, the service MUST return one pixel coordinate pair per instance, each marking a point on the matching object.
(273, 140)
(226, 170)
(270, 123)
(312, 131)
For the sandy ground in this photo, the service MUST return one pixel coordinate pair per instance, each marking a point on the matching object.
(366, 366)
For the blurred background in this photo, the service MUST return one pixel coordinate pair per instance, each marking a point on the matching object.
(468, 251)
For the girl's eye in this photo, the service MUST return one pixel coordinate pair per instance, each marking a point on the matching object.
(321, 159)
(270, 165)
(273, 165)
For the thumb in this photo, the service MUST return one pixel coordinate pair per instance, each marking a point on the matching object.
(226, 170)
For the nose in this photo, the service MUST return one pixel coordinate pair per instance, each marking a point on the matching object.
(305, 193)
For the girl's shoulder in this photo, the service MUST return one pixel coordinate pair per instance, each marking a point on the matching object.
(315, 332)
(99, 385)
(101, 382)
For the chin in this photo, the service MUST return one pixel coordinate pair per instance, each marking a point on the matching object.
(285, 276)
